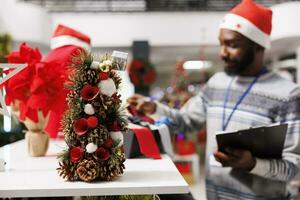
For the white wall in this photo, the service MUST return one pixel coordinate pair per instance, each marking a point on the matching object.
(161, 29)
(286, 21)
(25, 22)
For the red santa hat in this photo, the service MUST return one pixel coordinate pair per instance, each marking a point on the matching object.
(251, 20)
(64, 35)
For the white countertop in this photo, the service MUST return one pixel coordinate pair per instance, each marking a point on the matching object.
(27, 176)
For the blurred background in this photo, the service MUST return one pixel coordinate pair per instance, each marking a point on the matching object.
(177, 39)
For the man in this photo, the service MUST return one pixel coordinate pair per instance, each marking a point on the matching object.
(65, 43)
(245, 95)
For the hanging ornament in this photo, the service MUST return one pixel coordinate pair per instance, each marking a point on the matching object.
(80, 126)
(89, 109)
(92, 122)
(107, 87)
(76, 154)
(89, 92)
(117, 136)
(91, 147)
(94, 65)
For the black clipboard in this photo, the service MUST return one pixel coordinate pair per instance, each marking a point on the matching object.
(263, 142)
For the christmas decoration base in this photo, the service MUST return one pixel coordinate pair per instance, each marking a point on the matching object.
(37, 143)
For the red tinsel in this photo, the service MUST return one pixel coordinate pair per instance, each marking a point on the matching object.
(141, 73)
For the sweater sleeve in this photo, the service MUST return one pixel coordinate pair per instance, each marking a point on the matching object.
(286, 168)
(190, 118)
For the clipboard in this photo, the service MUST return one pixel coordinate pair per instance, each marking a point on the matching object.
(263, 142)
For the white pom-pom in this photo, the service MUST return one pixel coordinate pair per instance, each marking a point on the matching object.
(117, 136)
(91, 147)
(94, 65)
(107, 87)
(88, 109)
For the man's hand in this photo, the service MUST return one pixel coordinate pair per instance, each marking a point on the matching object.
(142, 104)
(236, 158)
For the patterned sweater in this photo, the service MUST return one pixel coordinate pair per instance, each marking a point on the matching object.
(271, 100)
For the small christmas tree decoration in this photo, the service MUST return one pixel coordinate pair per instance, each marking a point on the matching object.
(94, 122)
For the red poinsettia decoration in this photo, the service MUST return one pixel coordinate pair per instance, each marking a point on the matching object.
(38, 87)
(89, 92)
(141, 73)
(76, 154)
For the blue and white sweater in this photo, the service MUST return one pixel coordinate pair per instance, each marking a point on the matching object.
(271, 100)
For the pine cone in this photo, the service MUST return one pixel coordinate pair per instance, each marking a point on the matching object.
(92, 76)
(98, 135)
(67, 170)
(87, 170)
(107, 102)
(113, 168)
(116, 78)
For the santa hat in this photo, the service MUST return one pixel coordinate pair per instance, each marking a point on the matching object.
(64, 35)
(252, 20)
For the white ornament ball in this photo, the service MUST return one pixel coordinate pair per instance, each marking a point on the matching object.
(88, 109)
(117, 136)
(94, 65)
(91, 147)
(107, 87)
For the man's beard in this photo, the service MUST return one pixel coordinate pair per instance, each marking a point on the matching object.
(238, 67)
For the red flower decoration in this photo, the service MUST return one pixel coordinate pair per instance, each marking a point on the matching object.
(102, 153)
(92, 122)
(141, 73)
(108, 143)
(38, 87)
(80, 126)
(114, 126)
(89, 92)
(76, 154)
(103, 76)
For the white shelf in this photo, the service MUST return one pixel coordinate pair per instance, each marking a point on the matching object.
(27, 176)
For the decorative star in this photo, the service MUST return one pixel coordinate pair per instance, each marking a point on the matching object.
(17, 69)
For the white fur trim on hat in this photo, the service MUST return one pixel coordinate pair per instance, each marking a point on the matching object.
(239, 24)
(64, 40)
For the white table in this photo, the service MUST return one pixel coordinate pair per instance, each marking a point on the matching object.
(27, 176)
